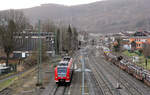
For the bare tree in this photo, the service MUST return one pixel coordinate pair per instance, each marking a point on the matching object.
(12, 21)
(146, 50)
(7, 38)
(18, 17)
(133, 45)
(48, 26)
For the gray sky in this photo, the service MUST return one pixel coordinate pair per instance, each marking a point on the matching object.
(17, 4)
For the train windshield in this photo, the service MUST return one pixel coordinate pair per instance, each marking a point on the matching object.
(62, 72)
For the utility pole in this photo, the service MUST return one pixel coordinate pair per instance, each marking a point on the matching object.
(83, 70)
(39, 79)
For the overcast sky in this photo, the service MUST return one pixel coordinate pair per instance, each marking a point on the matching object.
(17, 4)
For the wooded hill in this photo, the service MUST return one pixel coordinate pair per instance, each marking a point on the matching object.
(101, 17)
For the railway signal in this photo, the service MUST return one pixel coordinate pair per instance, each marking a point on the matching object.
(118, 82)
(120, 58)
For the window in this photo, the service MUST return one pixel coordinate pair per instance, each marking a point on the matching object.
(138, 45)
(62, 72)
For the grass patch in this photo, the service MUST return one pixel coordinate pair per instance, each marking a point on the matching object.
(129, 54)
(27, 72)
(141, 59)
(7, 83)
(15, 79)
(142, 63)
(7, 75)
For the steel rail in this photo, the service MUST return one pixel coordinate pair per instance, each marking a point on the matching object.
(100, 80)
(59, 90)
(129, 86)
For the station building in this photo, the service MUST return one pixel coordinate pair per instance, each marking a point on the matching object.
(28, 42)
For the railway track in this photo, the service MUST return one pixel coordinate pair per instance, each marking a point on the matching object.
(132, 90)
(59, 90)
(8, 90)
(93, 90)
(62, 89)
(93, 84)
(5, 91)
(100, 81)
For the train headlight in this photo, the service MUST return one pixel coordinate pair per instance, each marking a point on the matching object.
(67, 77)
(56, 77)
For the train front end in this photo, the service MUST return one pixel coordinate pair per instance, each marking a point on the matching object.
(62, 73)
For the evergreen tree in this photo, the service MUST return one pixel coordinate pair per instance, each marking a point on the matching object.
(57, 41)
(75, 38)
(69, 38)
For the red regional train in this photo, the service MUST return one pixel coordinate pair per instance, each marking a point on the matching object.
(64, 71)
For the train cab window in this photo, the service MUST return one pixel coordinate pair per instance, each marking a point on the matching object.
(62, 72)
